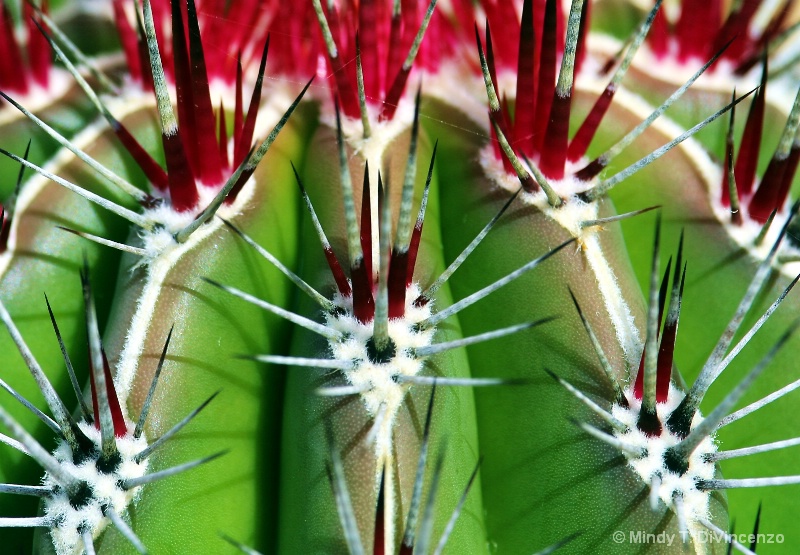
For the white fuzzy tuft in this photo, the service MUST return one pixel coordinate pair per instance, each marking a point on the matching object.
(105, 491)
(383, 393)
(695, 502)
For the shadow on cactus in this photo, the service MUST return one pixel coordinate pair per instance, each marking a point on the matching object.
(102, 459)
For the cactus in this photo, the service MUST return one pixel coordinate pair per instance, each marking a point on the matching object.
(390, 319)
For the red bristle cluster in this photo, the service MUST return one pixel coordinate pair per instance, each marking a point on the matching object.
(539, 127)
(581, 53)
(659, 36)
(499, 116)
(192, 66)
(403, 262)
(638, 387)
(774, 188)
(554, 151)
(154, 172)
(546, 79)
(666, 353)
(364, 273)
(666, 336)
(664, 372)
(501, 16)
(182, 187)
(130, 42)
(378, 543)
(231, 29)
(242, 26)
(202, 125)
(363, 287)
(583, 138)
(385, 40)
(399, 280)
(22, 67)
(769, 195)
(296, 50)
(527, 70)
(747, 161)
(120, 427)
(701, 30)
(413, 249)
(338, 273)
(366, 220)
(693, 24)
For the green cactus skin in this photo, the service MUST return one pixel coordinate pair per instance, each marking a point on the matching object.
(158, 294)
(37, 247)
(542, 480)
(178, 299)
(468, 204)
(716, 281)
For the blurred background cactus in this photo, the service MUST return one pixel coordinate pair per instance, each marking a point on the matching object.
(399, 276)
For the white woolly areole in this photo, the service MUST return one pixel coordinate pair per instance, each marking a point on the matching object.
(383, 396)
(695, 502)
(569, 216)
(161, 239)
(105, 490)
